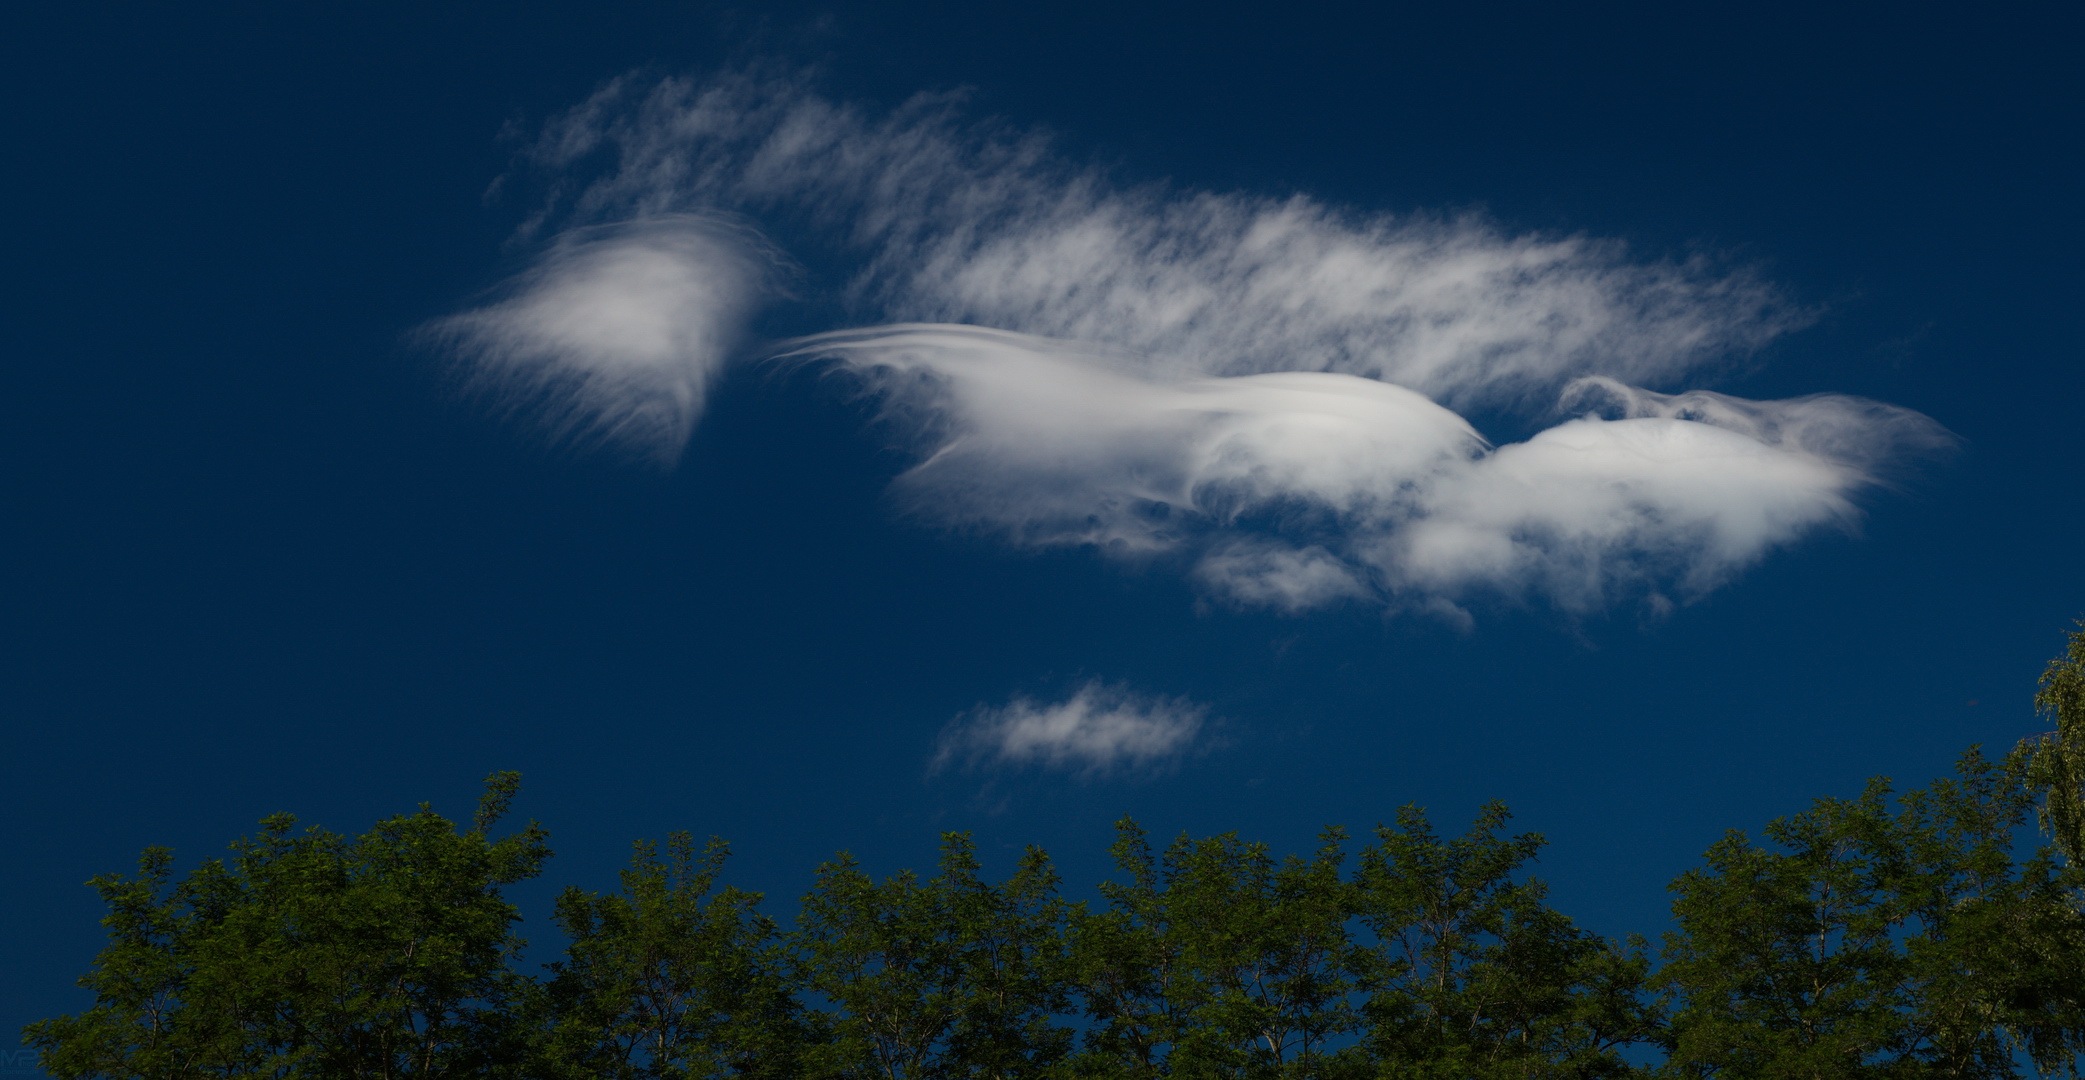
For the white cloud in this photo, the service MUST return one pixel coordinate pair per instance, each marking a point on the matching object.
(615, 333)
(1261, 390)
(973, 224)
(1098, 729)
(1297, 489)
(1055, 444)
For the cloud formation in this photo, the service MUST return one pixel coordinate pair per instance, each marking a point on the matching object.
(1098, 729)
(971, 224)
(1292, 490)
(615, 333)
(1263, 390)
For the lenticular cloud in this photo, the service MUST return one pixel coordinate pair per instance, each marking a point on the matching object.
(1261, 390)
(1296, 489)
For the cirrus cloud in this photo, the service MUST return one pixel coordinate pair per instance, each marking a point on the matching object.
(965, 223)
(1262, 390)
(615, 333)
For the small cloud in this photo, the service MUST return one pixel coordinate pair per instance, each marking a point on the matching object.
(1098, 729)
(614, 335)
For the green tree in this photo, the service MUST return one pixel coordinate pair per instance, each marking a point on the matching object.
(2053, 764)
(665, 980)
(1216, 960)
(1912, 934)
(1474, 976)
(950, 977)
(311, 954)
(1875, 937)
(2050, 1002)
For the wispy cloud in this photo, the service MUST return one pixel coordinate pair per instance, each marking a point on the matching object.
(1099, 728)
(615, 333)
(1260, 389)
(974, 224)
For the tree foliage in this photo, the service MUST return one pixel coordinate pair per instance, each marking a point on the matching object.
(1216, 959)
(1915, 933)
(1879, 937)
(949, 977)
(1475, 976)
(313, 954)
(669, 979)
(2054, 763)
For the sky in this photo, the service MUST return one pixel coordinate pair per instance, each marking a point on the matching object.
(827, 425)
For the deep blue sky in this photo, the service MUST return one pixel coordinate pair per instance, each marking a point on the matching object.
(260, 557)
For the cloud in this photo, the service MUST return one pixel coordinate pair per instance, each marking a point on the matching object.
(963, 223)
(615, 333)
(1294, 490)
(1098, 729)
(1261, 391)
